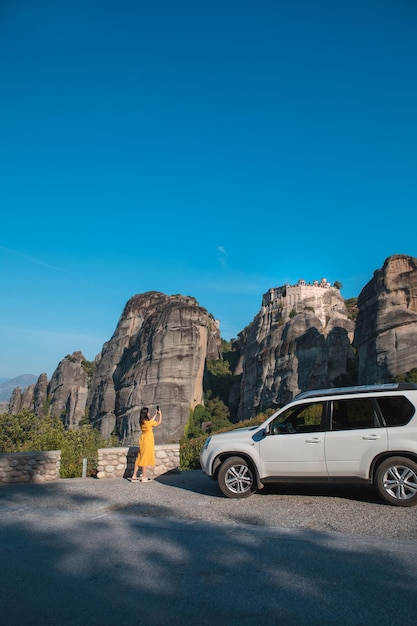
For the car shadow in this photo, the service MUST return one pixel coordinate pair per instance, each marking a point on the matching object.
(357, 492)
(197, 482)
(191, 480)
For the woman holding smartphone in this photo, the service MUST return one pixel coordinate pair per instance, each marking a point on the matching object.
(146, 455)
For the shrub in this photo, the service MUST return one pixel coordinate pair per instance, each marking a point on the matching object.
(190, 452)
(190, 449)
(407, 377)
(78, 445)
(27, 432)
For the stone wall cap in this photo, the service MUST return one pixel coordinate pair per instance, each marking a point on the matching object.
(159, 446)
(29, 454)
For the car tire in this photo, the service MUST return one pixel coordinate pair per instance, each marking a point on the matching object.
(236, 478)
(396, 481)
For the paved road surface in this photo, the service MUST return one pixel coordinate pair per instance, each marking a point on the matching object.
(175, 551)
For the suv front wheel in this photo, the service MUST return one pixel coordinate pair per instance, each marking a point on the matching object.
(396, 481)
(236, 478)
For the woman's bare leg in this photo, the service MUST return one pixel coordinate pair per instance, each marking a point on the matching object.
(135, 473)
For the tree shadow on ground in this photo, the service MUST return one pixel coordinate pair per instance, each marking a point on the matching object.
(89, 566)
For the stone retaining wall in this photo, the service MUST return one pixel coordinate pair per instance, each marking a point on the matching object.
(119, 462)
(30, 467)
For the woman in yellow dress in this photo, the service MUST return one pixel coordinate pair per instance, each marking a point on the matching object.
(146, 455)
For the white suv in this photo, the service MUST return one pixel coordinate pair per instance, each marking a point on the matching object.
(366, 433)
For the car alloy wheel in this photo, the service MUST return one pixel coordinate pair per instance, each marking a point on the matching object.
(397, 481)
(236, 478)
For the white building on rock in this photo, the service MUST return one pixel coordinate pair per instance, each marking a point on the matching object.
(319, 297)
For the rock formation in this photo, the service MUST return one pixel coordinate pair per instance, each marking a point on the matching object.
(156, 356)
(22, 381)
(21, 399)
(15, 401)
(300, 339)
(40, 394)
(68, 390)
(386, 327)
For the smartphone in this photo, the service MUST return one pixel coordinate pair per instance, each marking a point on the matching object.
(157, 407)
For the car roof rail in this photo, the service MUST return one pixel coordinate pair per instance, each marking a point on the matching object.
(313, 393)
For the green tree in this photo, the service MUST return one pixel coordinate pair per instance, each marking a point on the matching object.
(89, 367)
(219, 414)
(197, 418)
(407, 377)
(352, 308)
(226, 346)
(80, 444)
(27, 432)
(219, 378)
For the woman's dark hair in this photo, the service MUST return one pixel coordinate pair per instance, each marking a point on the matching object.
(144, 415)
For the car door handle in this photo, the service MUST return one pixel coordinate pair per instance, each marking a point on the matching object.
(313, 440)
(371, 437)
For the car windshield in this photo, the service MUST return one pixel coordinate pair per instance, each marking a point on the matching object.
(300, 418)
(309, 413)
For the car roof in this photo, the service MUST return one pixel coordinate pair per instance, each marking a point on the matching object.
(358, 389)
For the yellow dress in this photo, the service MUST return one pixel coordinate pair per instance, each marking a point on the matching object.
(146, 455)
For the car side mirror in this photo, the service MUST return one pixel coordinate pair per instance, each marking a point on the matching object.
(267, 429)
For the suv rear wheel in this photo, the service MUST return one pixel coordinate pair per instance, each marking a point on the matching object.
(396, 481)
(236, 478)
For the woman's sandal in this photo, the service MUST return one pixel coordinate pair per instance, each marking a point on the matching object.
(134, 480)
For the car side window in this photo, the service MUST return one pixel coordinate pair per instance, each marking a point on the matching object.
(396, 410)
(353, 413)
(305, 418)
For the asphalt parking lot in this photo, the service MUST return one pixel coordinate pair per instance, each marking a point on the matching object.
(175, 551)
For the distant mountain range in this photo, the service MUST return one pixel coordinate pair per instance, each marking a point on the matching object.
(22, 381)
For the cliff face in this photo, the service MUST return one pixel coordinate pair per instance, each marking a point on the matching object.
(300, 340)
(386, 328)
(68, 390)
(40, 394)
(156, 356)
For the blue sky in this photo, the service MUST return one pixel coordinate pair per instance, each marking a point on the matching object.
(208, 148)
